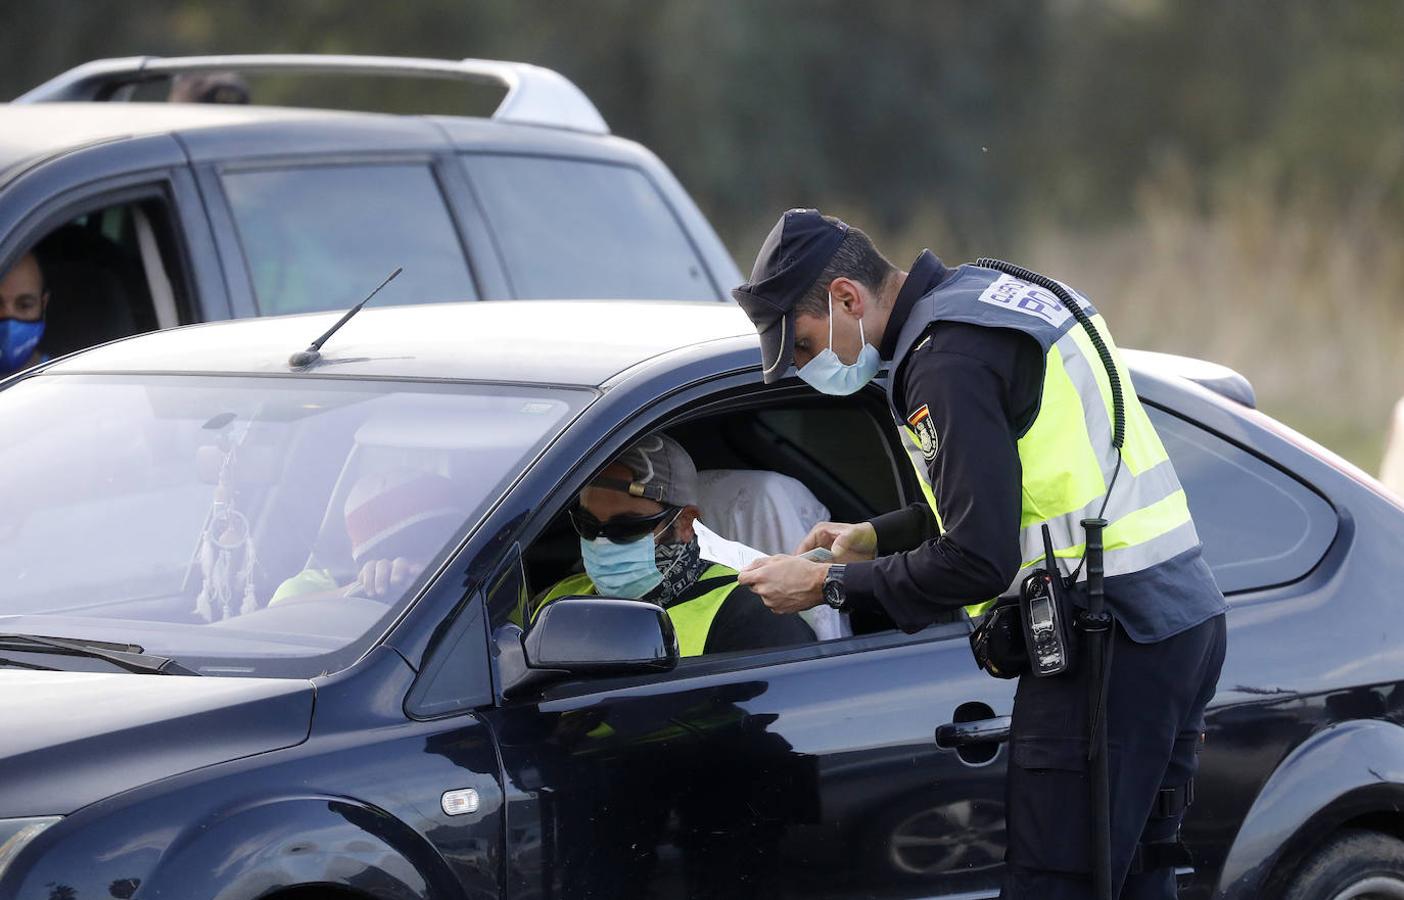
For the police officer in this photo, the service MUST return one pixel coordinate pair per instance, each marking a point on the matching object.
(1004, 407)
(637, 541)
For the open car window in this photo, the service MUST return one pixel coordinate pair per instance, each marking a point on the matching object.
(767, 473)
(228, 521)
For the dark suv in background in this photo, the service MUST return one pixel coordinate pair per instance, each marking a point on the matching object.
(147, 215)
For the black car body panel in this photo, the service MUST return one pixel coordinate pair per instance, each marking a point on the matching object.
(110, 733)
(805, 771)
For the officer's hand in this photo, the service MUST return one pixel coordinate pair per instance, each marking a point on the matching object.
(786, 584)
(848, 543)
(380, 577)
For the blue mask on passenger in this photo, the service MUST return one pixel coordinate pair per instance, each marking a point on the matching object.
(828, 374)
(18, 339)
(621, 570)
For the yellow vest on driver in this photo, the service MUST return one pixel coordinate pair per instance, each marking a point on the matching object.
(692, 614)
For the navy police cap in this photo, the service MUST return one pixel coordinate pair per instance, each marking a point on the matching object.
(791, 259)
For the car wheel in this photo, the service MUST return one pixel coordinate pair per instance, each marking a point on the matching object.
(1355, 865)
(924, 839)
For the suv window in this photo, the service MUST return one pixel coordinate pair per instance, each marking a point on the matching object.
(568, 228)
(109, 272)
(1260, 526)
(320, 238)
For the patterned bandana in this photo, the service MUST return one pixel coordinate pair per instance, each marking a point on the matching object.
(681, 564)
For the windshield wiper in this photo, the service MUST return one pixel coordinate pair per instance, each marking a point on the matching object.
(20, 664)
(125, 656)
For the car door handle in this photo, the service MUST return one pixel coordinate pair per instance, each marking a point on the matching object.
(980, 731)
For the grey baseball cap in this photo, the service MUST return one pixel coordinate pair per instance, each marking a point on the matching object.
(662, 471)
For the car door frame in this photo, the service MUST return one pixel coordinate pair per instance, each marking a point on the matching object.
(46, 196)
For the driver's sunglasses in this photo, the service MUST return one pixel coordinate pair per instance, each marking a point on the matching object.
(620, 529)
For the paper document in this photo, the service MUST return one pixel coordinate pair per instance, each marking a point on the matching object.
(718, 549)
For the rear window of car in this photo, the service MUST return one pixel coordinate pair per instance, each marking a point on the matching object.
(1260, 526)
(321, 237)
(576, 229)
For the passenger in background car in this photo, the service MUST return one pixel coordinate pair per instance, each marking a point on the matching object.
(23, 300)
(209, 87)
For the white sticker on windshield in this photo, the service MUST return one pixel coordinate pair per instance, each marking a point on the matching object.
(1020, 296)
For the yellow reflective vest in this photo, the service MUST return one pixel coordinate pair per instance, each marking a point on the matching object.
(1066, 450)
(692, 616)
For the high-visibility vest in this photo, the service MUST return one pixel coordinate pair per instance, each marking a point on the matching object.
(1066, 450)
(692, 617)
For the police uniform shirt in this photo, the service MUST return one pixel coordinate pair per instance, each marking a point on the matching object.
(981, 388)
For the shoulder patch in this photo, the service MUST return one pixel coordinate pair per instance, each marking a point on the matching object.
(924, 430)
(1021, 297)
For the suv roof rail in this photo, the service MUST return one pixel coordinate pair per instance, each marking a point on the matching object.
(535, 95)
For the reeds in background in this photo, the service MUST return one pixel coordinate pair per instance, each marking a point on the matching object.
(1304, 300)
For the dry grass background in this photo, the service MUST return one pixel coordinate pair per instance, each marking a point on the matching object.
(1304, 298)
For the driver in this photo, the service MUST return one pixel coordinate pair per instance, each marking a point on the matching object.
(637, 542)
(396, 521)
(23, 300)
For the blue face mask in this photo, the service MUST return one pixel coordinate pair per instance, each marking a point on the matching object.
(17, 342)
(828, 374)
(621, 570)
(629, 570)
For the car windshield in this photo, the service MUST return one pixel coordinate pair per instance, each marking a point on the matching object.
(244, 525)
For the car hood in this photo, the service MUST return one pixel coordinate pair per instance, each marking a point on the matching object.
(72, 738)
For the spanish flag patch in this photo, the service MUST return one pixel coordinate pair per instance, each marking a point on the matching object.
(925, 431)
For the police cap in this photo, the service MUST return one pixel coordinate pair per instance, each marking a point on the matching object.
(790, 260)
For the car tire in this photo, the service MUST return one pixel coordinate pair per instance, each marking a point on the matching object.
(1354, 865)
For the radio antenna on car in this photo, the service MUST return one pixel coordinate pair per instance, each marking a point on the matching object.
(304, 358)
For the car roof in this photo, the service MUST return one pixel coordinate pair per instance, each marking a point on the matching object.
(580, 342)
(33, 132)
(577, 342)
(45, 129)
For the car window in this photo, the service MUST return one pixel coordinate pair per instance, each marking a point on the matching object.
(1260, 526)
(245, 525)
(766, 475)
(574, 229)
(320, 238)
(109, 272)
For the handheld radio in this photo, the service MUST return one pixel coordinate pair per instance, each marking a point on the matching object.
(1046, 617)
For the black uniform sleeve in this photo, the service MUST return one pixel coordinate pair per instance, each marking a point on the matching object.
(904, 529)
(974, 383)
(744, 623)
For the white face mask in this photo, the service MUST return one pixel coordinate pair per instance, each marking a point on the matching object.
(828, 374)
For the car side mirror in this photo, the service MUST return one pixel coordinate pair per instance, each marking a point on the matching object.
(575, 636)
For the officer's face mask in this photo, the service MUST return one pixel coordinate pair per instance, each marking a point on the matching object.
(631, 570)
(18, 338)
(828, 374)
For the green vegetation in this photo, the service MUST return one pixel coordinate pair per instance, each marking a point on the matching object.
(1226, 179)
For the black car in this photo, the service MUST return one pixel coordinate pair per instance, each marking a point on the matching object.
(177, 726)
(148, 214)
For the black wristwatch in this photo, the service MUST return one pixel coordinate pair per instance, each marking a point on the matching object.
(833, 592)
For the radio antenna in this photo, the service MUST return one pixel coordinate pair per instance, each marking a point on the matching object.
(304, 358)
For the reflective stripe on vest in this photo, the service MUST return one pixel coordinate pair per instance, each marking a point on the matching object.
(692, 619)
(1068, 460)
